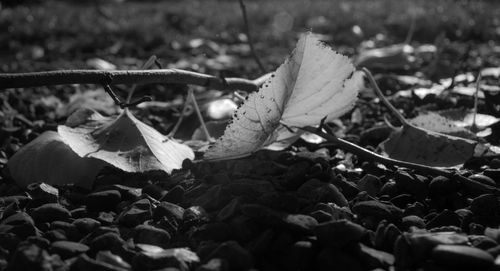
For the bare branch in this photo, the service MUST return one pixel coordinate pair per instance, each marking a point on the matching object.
(249, 37)
(125, 77)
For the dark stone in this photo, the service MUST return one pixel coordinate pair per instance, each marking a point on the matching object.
(18, 219)
(194, 215)
(378, 210)
(321, 216)
(55, 235)
(154, 191)
(50, 212)
(386, 235)
(339, 233)
(372, 258)
(371, 184)
(169, 210)
(68, 249)
(134, 216)
(482, 242)
(86, 225)
(287, 201)
(145, 234)
(300, 223)
(214, 265)
(69, 230)
(106, 218)
(31, 257)
(217, 231)
(108, 241)
(485, 205)
(410, 184)
(403, 200)
(112, 259)
(43, 192)
(300, 256)
(103, 200)
(319, 191)
(180, 258)
(230, 210)
(413, 221)
(236, 256)
(462, 257)
(483, 179)
(85, 263)
(440, 186)
(174, 195)
(333, 259)
(445, 218)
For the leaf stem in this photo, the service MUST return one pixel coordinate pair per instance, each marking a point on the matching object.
(476, 94)
(249, 37)
(383, 98)
(125, 77)
(198, 113)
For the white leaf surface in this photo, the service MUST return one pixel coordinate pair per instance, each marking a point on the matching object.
(48, 159)
(124, 142)
(313, 83)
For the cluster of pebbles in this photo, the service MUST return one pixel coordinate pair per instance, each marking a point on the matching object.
(275, 211)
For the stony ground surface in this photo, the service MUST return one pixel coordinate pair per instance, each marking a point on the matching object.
(310, 207)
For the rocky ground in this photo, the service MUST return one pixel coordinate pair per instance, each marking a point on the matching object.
(310, 207)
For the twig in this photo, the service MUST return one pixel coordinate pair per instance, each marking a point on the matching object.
(369, 155)
(198, 113)
(249, 37)
(383, 98)
(476, 94)
(125, 77)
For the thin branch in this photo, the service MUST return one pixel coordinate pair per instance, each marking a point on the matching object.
(383, 98)
(476, 94)
(371, 156)
(125, 77)
(198, 113)
(249, 37)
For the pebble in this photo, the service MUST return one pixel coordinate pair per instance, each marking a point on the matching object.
(68, 249)
(317, 190)
(373, 258)
(412, 221)
(235, 255)
(462, 257)
(334, 259)
(107, 241)
(50, 212)
(134, 216)
(43, 192)
(300, 223)
(445, 218)
(378, 210)
(180, 258)
(482, 242)
(174, 195)
(112, 259)
(485, 205)
(86, 225)
(413, 185)
(103, 200)
(371, 184)
(85, 263)
(215, 264)
(31, 257)
(145, 234)
(217, 231)
(339, 233)
(154, 191)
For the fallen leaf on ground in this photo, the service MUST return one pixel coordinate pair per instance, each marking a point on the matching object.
(94, 99)
(413, 144)
(124, 142)
(48, 159)
(437, 123)
(313, 83)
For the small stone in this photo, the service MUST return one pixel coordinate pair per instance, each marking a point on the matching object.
(231, 209)
(371, 184)
(373, 258)
(483, 179)
(403, 200)
(317, 190)
(300, 256)
(441, 185)
(50, 212)
(134, 216)
(145, 234)
(103, 200)
(410, 184)
(112, 259)
(86, 225)
(334, 259)
(462, 257)
(218, 232)
(174, 195)
(485, 205)
(180, 258)
(214, 265)
(106, 218)
(154, 191)
(55, 235)
(378, 210)
(482, 242)
(300, 223)
(445, 218)
(68, 229)
(168, 209)
(68, 249)
(43, 192)
(31, 257)
(85, 263)
(18, 219)
(236, 256)
(321, 216)
(339, 233)
(194, 215)
(107, 241)
(413, 221)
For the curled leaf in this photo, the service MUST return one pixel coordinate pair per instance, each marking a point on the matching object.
(124, 142)
(48, 159)
(314, 82)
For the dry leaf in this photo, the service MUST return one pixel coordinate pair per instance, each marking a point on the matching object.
(435, 122)
(124, 142)
(48, 159)
(313, 83)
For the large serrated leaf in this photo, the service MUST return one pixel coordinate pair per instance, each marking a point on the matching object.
(124, 142)
(313, 83)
